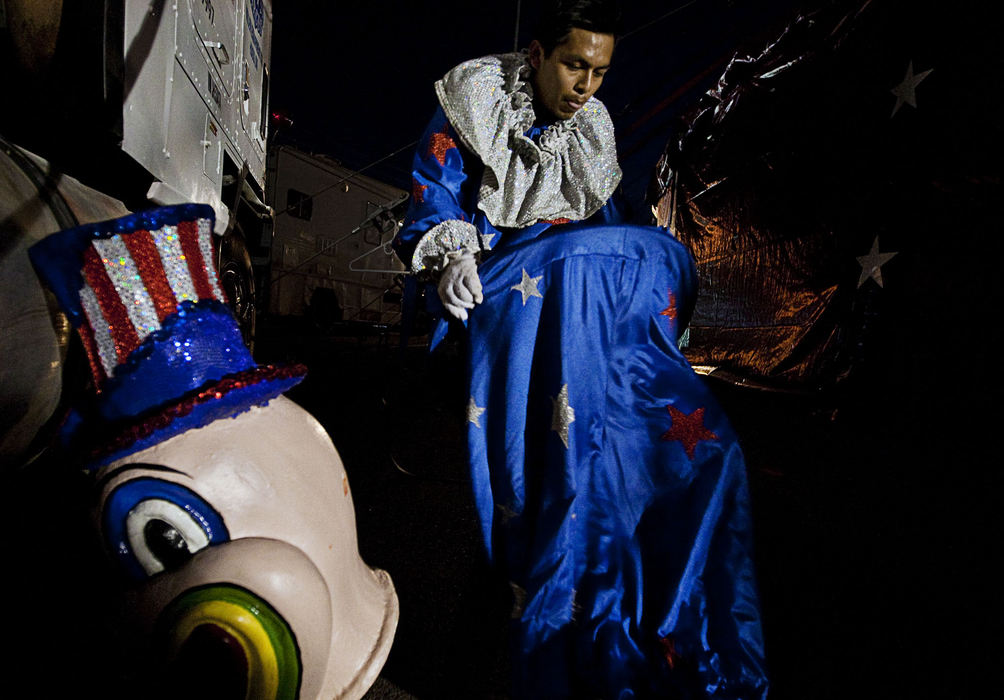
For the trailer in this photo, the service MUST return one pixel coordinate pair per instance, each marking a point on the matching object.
(331, 258)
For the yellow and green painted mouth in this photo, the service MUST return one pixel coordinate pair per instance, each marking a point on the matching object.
(226, 639)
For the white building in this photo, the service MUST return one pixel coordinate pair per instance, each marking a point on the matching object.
(331, 243)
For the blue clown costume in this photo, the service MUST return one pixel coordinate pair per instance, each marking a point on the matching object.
(609, 484)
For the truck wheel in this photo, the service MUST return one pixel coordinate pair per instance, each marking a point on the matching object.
(237, 280)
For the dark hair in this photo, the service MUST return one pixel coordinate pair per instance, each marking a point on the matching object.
(559, 17)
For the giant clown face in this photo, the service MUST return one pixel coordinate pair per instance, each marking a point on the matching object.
(241, 537)
(225, 502)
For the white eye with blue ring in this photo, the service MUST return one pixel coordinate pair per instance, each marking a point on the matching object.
(162, 535)
(153, 525)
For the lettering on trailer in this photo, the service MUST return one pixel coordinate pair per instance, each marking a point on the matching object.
(207, 5)
(258, 14)
(254, 48)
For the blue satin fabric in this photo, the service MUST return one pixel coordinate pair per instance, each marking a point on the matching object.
(622, 546)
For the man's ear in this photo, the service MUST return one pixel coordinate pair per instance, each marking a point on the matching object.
(536, 54)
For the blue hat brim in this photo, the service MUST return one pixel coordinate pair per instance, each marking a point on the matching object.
(224, 398)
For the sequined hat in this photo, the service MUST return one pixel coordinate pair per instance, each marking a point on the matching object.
(165, 352)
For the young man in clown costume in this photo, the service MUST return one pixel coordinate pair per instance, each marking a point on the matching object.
(610, 487)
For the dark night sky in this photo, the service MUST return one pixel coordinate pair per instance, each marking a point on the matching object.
(356, 77)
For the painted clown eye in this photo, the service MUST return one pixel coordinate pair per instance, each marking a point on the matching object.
(153, 525)
(229, 643)
(162, 535)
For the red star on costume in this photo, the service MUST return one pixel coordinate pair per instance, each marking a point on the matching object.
(669, 651)
(688, 429)
(418, 191)
(440, 143)
(670, 311)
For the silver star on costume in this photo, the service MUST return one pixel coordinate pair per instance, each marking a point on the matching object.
(474, 412)
(528, 287)
(906, 91)
(871, 264)
(562, 415)
(518, 600)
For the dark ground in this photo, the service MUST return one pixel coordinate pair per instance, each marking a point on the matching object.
(872, 533)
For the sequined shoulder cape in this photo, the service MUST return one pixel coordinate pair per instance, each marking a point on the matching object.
(568, 171)
(444, 213)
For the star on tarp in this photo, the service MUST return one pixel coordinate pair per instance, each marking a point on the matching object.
(439, 143)
(871, 264)
(528, 287)
(906, 91)
(562, 415)
(474, 412)
(687, 428)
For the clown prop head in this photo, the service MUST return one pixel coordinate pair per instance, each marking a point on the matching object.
(224, 502)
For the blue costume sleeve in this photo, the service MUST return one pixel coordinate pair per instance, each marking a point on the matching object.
(615, 211)
(439, 190)
(610, 213)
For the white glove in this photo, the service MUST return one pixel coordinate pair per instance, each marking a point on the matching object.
(460, 286)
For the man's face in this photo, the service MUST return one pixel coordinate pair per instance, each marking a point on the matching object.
(566, 79)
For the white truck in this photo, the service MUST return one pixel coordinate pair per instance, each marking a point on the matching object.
(196, 116)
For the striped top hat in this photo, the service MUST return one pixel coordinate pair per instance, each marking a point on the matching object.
(165, 352)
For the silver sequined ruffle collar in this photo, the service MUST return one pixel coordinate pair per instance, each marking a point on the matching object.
(568, 172)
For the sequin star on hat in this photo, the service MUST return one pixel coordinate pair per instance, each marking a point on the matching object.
(165, 352)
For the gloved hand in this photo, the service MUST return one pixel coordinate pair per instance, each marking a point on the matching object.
(460, 286)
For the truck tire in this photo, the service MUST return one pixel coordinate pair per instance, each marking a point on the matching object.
(237, 280)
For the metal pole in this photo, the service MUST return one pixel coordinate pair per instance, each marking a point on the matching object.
(515, 38)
